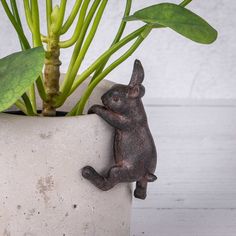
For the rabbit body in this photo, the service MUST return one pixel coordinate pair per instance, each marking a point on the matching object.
(134, 149)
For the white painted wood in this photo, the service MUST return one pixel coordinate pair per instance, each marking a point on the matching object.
(184, 222)
(195, 194)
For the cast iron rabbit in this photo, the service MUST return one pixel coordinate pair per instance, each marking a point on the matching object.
(134, 148)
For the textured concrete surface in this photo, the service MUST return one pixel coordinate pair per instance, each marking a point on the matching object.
(42, 189)
(175, 67)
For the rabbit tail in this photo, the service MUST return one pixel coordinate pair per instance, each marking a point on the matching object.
(151, 177)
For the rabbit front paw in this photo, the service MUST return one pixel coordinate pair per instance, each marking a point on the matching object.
(93, 109)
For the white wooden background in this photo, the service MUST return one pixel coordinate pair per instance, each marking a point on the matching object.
(195, 194)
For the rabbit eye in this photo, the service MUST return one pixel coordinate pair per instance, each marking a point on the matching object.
(115, 98)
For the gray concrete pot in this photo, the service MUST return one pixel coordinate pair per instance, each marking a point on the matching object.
(42, 192)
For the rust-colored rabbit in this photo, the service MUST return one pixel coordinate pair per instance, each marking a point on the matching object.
(134, 148)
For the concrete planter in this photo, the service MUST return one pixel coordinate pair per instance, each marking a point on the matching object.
(42, 192)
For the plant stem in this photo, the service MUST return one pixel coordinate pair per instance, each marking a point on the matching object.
(106, 54)
(69, 79)
(32, 25)
(117, 37)
(28, 15)
(28, 104)
(51, 74)
(33, 19)
(60, 17)
(185, 3)
(18, 29)
(17, 18)
(123, 23)
(49, 12)
(29, 20)
(44, 38)
(71, 17)
(16, 22)
(15, 12)
(52, 61)
(32, 98)
(36, 26)
(72, 40)
(20, 105)
(67, 86)
(41, 89)
(127, 54)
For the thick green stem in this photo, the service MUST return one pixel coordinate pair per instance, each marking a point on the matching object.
(51, 75)
(52, 62)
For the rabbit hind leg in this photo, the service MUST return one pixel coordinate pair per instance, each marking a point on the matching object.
(91, 174)
(141, 185)
(116, 174)
(141, 189)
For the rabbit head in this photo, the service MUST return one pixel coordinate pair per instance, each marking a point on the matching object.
(121, 98)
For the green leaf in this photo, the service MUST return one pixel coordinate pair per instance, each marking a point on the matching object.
(178, 18)
(18, 72)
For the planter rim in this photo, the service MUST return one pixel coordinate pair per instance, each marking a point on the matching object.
(105, 84)
(81, 117)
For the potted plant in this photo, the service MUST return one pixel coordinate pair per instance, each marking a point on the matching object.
(44, 147)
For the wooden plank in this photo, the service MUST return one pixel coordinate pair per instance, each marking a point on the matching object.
(179, 102)
(183, 222)
(196, 170)
(196, 161)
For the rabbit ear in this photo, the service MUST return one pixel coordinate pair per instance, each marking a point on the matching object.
(136, 91)
(138, 74)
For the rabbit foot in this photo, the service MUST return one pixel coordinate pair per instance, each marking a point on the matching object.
(88, 172)
(140, 193)
(141, 189)
(96, 179)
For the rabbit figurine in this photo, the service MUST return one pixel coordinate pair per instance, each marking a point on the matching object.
(134, 149)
